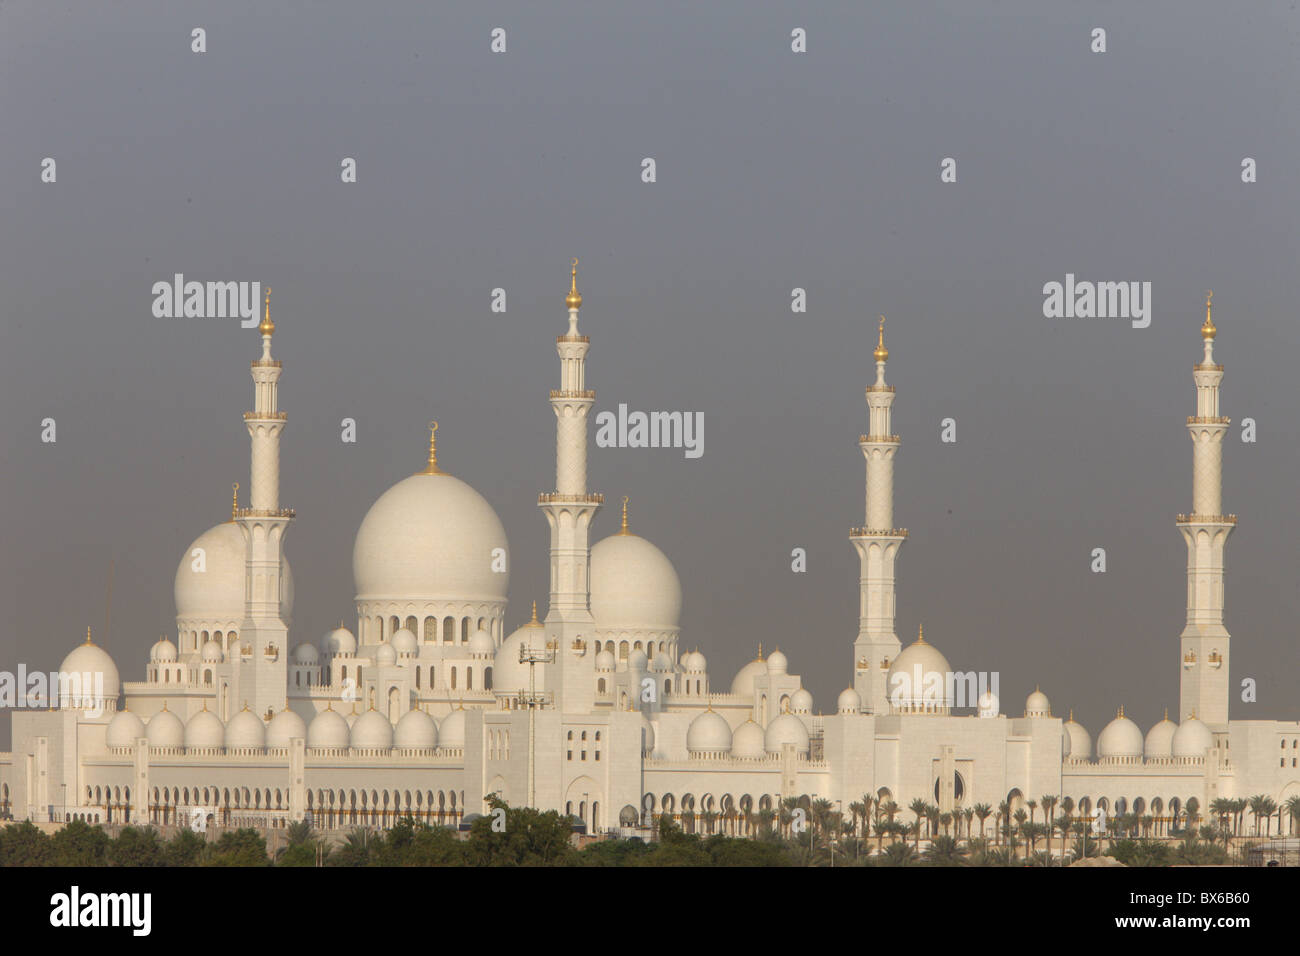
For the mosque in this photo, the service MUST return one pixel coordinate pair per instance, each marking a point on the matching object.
(429, 705)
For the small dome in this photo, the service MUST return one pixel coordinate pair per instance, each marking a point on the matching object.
(90, 658)
(165, 731)
(988, 704)
(283, 727)
(205, 731)
(777, 664)
(1080, 741)
(339, 641)
(637, 661)
(661, 663)
(605, 661)
(709, 732)
(743, 683)
(918, 678)
(801, 701)
(404, 641)
(124, 730)
(305, 653)
(1037, 705)
(327, 731)
(507, 670)
(212, 652)
(1160, 739)
(481, 644)
(786, 729)
(1120, 738)
(214, 589)
(1192, 739)
(372, 731)
(416, 730)
(451, 733)
(747, 741)
(245, 731)
(633, 585)
(163, 652)
(385, 655)
(850, 701)
(694, 663)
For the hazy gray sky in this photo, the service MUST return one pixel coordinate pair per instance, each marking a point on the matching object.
(775, 170)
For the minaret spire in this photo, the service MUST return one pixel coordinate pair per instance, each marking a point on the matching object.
(877, 544)
(1203, 687)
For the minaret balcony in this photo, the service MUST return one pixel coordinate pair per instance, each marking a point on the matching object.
(881, 388)
(555, 497)
(265, 513)
(1211, 367)
(875, 533)
(266, 416)
(573, 338)
(572, 393)
(1206, 519)
(267, 363)
(879, 439)
(1207, 420)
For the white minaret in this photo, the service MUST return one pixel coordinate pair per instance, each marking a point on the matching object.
(1203, 689)
(570, 630)
(263, 677)
(877, 544)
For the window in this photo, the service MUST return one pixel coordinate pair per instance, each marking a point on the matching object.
(570, 757)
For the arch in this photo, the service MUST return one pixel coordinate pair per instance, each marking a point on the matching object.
(448, 629)
(487, 678)
(430, 632)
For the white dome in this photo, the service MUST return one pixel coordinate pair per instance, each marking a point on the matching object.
(385, 654)
(786, 729)
(90, 659)
(283, 727)
(416, 730)
(850, 701)
(404, 642)
(747, 741)
(212, 652)
(1160, 739)
(205, 731)
(430, 538)
(633, 585)
(661, 663)
(245, 731)
(647, 735)
(1192, 739)
(743, 683)
(988, 704)
(165, 730)
(339, 641)
(1120, 738)
(451, 733)
(163, 652)
(124, 730)
(777, 663)
(605, 661)
(694, 663)
(918, 678)
(801, 701)
(481, 644)
(507, 672)
(305, 653)
(327, 731)
(1037, 705)
(217, 592)
(1080, 740)
(637, 661)
(708, 733)
(372, 731)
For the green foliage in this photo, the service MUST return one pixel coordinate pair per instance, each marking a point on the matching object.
(136, 847)
(79, 844)
(244, 847)
(184, 849)
(1141, 852)
(22, 844)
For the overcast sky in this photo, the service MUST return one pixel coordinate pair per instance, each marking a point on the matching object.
(775, 170)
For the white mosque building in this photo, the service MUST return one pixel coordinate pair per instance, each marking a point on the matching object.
(429, 705)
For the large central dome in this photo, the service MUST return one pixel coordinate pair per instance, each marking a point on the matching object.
(431, 537)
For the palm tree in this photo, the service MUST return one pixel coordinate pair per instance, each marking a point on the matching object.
(945, 820)
(859, 812)
(969, 814)
(1004, 819)
(1049, 802)
(899, 854)
(1292, 808)
(1270, 807)
(914, 830)
(1257, 808)
(868, 801)
(1033, 805)
(920, 808)
(1193, 811)
(983, 811)
(1021, 819)
(945, 851)
(788, 806)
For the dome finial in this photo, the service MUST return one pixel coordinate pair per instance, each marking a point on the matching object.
(624, 528)
(432, 468)
(760, 651)
(574, 299)
(267, 327)
(881, 353)
(1071, 715)
(920, 634)
(534, 620)
(1208, 331)
(234, 501)
(88, 640)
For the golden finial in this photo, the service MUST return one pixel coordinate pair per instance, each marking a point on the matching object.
(1208, 331)
(1120, 712)
(432, 468)
(881, 353)
(624, 530)
(165, 705)
(760, 651)
(234, 501)
(88, 640)
(574, 299)
(920, 634)
(267, 327)
(1071, 715)
(533, 620)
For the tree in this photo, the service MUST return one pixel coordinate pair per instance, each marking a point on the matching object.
(1292, 808)
(920, 808)
(184, 849)
(945, 851)
(530, 837)
(1048, 803)
(79, 844)
(136, 846)
(24, 844)
(243, 847)
(983, 811)
(900, 854)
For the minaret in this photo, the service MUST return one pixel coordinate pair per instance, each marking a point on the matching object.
(1203, 689)
(570, 630)
(877, 544)
(263, 678)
